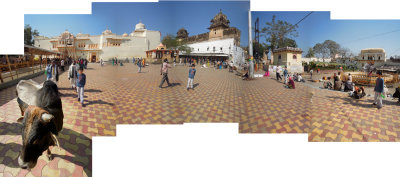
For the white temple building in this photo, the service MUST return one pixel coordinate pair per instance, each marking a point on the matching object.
(105, 46)
(220, 43)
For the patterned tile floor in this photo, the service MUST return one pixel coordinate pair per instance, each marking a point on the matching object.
(271, 108)
(80, 124)
(120, 95)
(338, 117)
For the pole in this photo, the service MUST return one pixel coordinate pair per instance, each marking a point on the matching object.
(9, 67)
(251, 63)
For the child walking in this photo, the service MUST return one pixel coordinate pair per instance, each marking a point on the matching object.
(192, 72)
(379, 88)
(80, 84)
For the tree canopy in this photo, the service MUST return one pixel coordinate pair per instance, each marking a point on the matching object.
(310, 53)
(171, 42)
(327, 49)
(29, 34)
(279, 34)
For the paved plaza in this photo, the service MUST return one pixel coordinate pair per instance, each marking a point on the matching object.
(271, 108)
(338, 117)
(121, 95)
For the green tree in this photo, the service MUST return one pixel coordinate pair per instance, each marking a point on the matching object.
(279, 33)
(310, 53)
(326, 49)
(332, 47)
(29, 34)
(287, 42)
(170, 41)
(258, 49)
(185, 48)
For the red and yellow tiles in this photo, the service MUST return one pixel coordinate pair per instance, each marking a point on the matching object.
(271, 108)
(338, 117)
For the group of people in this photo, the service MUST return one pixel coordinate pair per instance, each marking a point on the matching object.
(288, 79)
(75, 75)
(359, 92)
(164, 72)
(141, 63)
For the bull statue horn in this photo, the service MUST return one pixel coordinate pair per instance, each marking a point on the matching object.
(55, 139)
(47, 117)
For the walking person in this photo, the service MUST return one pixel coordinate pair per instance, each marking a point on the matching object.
(311, 71)
(139, 64)
(192, 73)
(379, 90)
(72, 74)
(62, 64)
(285, 74)
(80, 85)
(278, 74)
(164, 73)
(174, 62)
(52, 72)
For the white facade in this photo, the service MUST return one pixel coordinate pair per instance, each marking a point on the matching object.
(374, 54)
(314, 59)
(222, 47)
(105, 46)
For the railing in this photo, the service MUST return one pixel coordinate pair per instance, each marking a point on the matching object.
(10, 71)
(364, 79)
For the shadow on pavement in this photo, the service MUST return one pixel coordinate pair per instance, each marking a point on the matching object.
(174, 84)
(93, 90)
(10, 128)
(99, 102)
(78, 149)
(10, 153)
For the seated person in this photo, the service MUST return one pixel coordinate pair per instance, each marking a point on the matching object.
(295, 76)
(397, 94)
(290, 84)
(300, 78)
(348, 86)
(266, 74)
(337, 85)
(358, 92)
(246, 75)
(328, 85)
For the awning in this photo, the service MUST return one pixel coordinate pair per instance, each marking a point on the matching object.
(205, 54)
(38, 51)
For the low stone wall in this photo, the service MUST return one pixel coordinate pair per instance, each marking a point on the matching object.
(15, 81)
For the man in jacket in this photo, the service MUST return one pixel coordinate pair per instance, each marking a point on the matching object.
(164, 73)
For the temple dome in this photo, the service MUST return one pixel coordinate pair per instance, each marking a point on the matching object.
(220, 20)
(107, 31)
(140, 26)
(161, 47)
(66, 35)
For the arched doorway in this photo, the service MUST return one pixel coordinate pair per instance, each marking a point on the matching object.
(93, 58)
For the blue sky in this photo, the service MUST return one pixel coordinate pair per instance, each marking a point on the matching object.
(353, 34)
(166, 16)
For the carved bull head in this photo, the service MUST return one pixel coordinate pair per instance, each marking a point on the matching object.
(38, 133)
